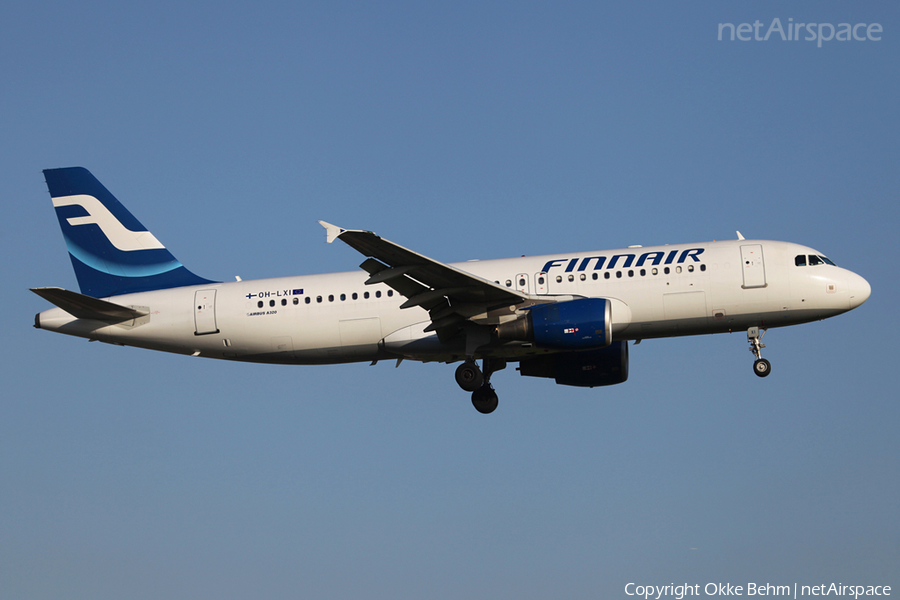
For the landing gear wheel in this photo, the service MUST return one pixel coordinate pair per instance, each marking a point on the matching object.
(484, 399)
(762, 367)
(469, 376)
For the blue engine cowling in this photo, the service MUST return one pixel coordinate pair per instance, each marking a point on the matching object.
(589, 368)
(573, 325)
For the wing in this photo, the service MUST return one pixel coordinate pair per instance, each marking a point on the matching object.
(450, 295)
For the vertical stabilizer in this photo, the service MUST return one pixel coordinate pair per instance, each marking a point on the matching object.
(111, 251)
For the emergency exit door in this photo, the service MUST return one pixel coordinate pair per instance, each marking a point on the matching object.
(205, 312)
(540, 283)
(522, 282)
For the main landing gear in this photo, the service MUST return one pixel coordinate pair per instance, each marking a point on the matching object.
(761, 366)
(472, 379)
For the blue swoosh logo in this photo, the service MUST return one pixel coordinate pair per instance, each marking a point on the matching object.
(98, 264)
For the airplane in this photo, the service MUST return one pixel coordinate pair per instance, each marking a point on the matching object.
(567, 317)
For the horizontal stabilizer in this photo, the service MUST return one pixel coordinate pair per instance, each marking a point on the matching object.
(86, 307)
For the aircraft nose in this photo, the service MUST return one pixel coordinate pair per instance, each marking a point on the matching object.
(859, 290)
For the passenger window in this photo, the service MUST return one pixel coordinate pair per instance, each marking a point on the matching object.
(571, 278)
(331, 297)
(508, 283)
(702, 267)
(541, 280)
(318, 298)
(284, 301)
(259, 304)
(355, 295)
(606, 275)
(378, 294)
(690, 268)
(296, 301)
(366, 295)
(583, 277)
(343, 297)
(271, 303)
(800, 260)
(559, 279)
(655, 271)
(594, 276)
(308, 299)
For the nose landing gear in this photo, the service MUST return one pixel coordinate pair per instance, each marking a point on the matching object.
(472, 379)
(761, 366)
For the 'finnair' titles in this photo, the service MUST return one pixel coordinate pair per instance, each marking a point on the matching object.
(649, 258)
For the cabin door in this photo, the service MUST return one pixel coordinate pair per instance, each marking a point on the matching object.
(205, 312)
(753, 266)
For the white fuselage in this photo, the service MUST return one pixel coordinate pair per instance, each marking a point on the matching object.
(662, 291)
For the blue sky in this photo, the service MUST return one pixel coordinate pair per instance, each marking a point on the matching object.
(461, 130)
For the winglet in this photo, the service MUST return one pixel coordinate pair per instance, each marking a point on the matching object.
(331, 231)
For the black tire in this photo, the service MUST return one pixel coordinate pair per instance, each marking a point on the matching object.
(485, 400)
(469, 376)
(762, 367)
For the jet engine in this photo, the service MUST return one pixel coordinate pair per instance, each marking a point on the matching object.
(573, 325)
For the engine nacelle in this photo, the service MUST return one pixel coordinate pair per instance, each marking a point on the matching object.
(573, 325)
(590, 368)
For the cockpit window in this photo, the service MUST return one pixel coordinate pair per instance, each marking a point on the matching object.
(801, 260)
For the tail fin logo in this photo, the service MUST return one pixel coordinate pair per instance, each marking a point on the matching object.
(111, 251)
(118, 235)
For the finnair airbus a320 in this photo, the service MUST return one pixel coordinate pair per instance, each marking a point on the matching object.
(567, 317)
